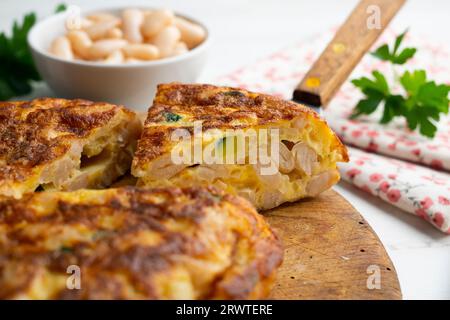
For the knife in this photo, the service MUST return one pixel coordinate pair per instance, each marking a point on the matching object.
(353, 39)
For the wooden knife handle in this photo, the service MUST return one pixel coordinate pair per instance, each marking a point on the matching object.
(350, 43)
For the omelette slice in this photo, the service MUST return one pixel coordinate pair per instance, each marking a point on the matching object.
(132, 243)
(64, 144)
(237, 125)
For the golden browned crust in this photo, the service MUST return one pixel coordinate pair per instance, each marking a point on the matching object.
(216, 107)
(133, 243)
(38, 132)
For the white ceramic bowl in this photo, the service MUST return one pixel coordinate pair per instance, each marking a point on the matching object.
(132, 85)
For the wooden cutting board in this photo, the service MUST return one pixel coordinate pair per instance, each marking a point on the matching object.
(328, 250)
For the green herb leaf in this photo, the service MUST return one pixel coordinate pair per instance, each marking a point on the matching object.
(393, 56)
(398, 41)
(369, 87)
(404, 56)
(366, 106)
(234, 93)
(422, 105)
(382, 53)
(17, 69)
(60, 8)
(426, 100)
(65, 249)
(392, 108)
(412, 82)
(376, 91)
(434, 96)
(171, 117)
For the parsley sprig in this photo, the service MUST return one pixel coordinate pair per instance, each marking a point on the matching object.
(383, 52)
(421, 104)
(17, 69)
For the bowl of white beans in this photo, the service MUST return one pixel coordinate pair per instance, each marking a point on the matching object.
(118, 55)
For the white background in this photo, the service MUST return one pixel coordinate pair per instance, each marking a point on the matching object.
(247, 30)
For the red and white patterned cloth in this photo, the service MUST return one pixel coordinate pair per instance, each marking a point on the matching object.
(417, 189)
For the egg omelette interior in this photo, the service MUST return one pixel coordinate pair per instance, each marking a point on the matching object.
(134, 243)
(64, 144)
(308, 149)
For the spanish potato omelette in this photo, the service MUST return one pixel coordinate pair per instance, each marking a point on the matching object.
(132, 243)
(308, 148)
(63, 144)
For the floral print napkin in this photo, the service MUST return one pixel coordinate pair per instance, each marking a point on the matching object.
(413, 188)
(422, 188)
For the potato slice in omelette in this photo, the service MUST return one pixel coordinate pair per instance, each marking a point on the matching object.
(234, 122)
(132, 243)
(64, 144)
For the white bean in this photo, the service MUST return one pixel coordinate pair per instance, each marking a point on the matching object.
(131, 24)
(141, 51)
(147, 12)
(305, 157)
(269, 199)
(133, 60)
(246, 193)
(137, 35)
(179, 48)
(322, 182)
(166, 40)
(274, 180)
(101, 17)
(115, 57)
(85, 23)
(102, 48)
(100, 30)
(80, 42)
(114, 33)
(191, 33)
(286, 160)
(61, 48)
(156, 21)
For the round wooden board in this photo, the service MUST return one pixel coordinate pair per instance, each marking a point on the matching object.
(328, 250)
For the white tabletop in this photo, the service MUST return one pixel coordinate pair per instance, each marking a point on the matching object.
(247, 30)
